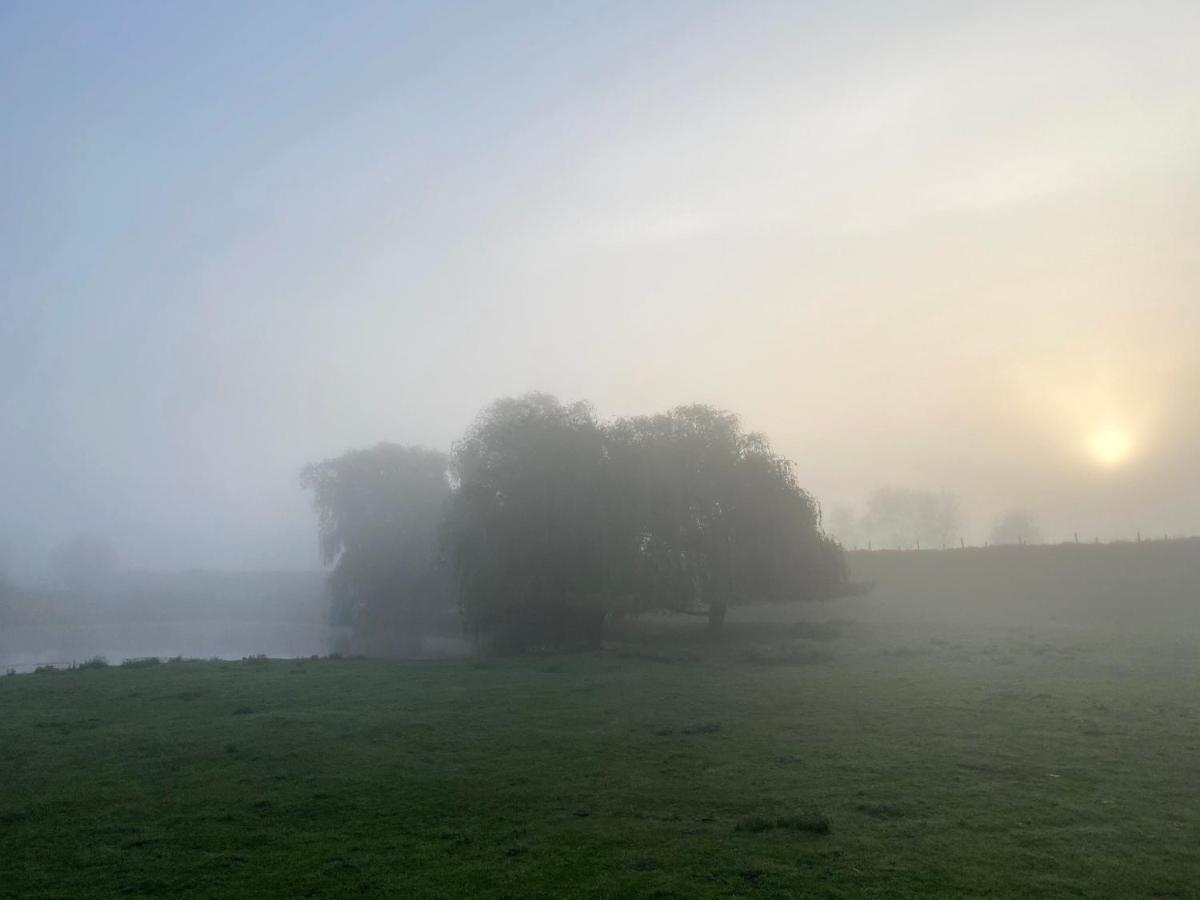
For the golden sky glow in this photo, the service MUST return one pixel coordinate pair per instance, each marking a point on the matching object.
(1110, 446)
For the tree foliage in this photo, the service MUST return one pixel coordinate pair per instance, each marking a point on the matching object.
(718, 517)
(379, 513)
(553, 522)
(560, 522)
(527, 531)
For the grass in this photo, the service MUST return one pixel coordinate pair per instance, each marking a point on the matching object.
(813, 824)
(1053, 761)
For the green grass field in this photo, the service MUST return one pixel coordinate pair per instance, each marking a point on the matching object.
(899, 751)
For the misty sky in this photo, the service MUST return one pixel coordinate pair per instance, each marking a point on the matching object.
(937, 247)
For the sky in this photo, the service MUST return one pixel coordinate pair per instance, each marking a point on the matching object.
(942, 246)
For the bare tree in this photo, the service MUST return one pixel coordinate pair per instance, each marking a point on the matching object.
(904, 518)
(1017, 526)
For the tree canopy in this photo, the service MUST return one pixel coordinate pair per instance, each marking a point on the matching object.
(527, 531)
(379, 514)
(553, 522)
(719, 518)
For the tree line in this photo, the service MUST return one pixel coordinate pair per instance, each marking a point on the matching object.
(544, 523)
(908, 519)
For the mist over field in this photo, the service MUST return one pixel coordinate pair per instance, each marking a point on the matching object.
(677, 449)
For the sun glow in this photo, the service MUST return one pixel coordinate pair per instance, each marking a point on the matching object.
(1110, 446)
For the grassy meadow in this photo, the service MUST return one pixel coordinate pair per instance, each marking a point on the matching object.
(1013, 722)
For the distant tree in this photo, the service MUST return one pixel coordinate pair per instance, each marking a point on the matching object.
(904, 518)
(83, 562)
(843, 525)
(528, 536)
(379, 514)
(1017, 526)
(718, 518)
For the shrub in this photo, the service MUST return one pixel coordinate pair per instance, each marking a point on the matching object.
(140, 662)
(96, 662)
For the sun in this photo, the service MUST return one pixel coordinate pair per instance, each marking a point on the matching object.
(1110, 446)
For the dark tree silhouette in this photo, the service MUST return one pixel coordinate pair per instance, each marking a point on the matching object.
(551, 523)
(719, 517)
(527, 531)
(379, 514)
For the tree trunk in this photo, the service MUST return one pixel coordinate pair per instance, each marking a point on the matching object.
(716, 618)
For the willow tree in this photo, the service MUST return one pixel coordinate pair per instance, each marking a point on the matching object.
(719, 517)
(528, 535)
(379, 515)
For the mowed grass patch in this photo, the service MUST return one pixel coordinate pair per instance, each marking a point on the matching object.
(939, 774)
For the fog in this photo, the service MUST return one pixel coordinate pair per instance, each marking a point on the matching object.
(949, 250)
(626, 449)
(197, 615)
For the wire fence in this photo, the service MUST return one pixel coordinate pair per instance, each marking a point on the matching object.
(913, 546)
